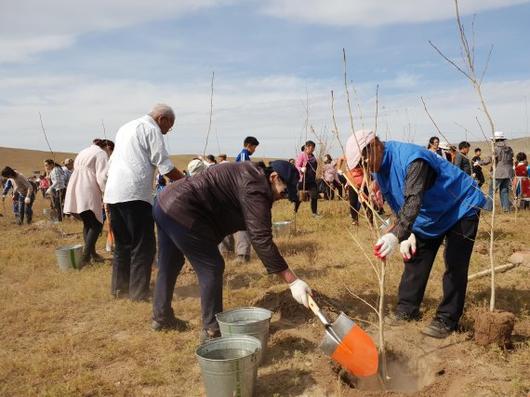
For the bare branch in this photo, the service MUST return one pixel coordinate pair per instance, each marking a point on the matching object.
(434, 122)
(376, 107)
(211, 113)
(486, 66)
(450, 60)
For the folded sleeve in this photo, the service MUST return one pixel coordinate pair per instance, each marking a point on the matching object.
(101, 170)
(157, 151)
(256, 207)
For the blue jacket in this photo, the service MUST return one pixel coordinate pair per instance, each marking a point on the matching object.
(244, 155)
(453, 196)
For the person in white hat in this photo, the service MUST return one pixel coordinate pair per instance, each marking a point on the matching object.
(433, 202)
(504, 170)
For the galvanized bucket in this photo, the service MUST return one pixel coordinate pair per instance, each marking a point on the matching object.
(253, 321)
(69, 257)
(282, 228)
(229, 365)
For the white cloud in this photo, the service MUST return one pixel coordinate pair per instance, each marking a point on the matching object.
(375, 12)
(272, 108)
(21, 49)
(29, 27)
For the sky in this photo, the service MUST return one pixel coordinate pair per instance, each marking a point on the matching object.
(88, 67)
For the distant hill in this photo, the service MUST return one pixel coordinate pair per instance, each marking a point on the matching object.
(28, 161)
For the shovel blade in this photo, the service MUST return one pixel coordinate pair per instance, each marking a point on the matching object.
(357, 353)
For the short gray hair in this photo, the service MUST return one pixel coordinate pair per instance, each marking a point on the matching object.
(161, 109)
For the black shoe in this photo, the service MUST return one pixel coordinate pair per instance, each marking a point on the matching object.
(438, 329)
(96, 258)
(399, 318)
(170, 324)
(208, 334)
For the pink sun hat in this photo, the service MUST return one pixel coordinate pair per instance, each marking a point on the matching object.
(355, 145)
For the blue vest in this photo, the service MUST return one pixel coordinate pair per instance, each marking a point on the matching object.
(453, 196)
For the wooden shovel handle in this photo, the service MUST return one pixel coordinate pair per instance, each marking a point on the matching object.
(313, 305)
(316, 310)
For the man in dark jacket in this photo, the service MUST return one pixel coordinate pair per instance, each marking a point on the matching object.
(461, 160)
(193, 215)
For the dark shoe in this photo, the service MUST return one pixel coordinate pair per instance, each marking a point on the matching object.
(96, 258)
(170, 324)
(398, 318)
(437, 329)
(208, 334)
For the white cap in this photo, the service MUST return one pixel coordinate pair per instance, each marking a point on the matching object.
(196, 166)
(355, 145)
(444, 145)
(499, 136)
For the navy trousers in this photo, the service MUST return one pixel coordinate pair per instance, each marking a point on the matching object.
(174, 242)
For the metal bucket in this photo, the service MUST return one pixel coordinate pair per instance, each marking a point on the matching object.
(253, 321)
(69, 257)
(229, 365)
(280, 229)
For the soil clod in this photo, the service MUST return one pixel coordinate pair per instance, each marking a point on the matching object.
(494, 327)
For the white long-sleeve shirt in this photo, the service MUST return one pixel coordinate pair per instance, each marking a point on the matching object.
(139, 150)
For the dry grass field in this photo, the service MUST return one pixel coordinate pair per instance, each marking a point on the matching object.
(63, 334)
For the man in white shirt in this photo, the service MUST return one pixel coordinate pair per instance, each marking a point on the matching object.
(139, 151)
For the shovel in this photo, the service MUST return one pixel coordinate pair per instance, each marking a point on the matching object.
(347, 343)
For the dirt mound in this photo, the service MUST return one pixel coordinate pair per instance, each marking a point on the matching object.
(288, 309)
(405, 375)
(494, 327)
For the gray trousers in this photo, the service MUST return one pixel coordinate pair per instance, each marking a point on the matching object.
(227, 245)
(242, 240)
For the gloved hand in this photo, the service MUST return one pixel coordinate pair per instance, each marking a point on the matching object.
(340, 172)
(476, 164)
(303, 170)
(3, 197)
(385, 245)
(299, 290)
(27, 201)
(49, 191)
(408, 247)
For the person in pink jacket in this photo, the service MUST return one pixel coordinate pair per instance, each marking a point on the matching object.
(84, 194)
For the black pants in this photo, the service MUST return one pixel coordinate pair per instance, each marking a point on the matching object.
(329, 189)
(175, 241)
(311, 186)
(57, 201)
(480, 177)
(91, 231)
(355, 205)
(459, 241)
(134, 236)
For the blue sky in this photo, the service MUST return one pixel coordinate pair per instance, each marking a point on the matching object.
(81, 63)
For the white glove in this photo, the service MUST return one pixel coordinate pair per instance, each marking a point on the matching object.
(49, 191)
(3, 197)
(299, 290)
(385, 245)
(476, 164)
(303, 169)
(27, 201)
(408, 247)
(340, 172)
